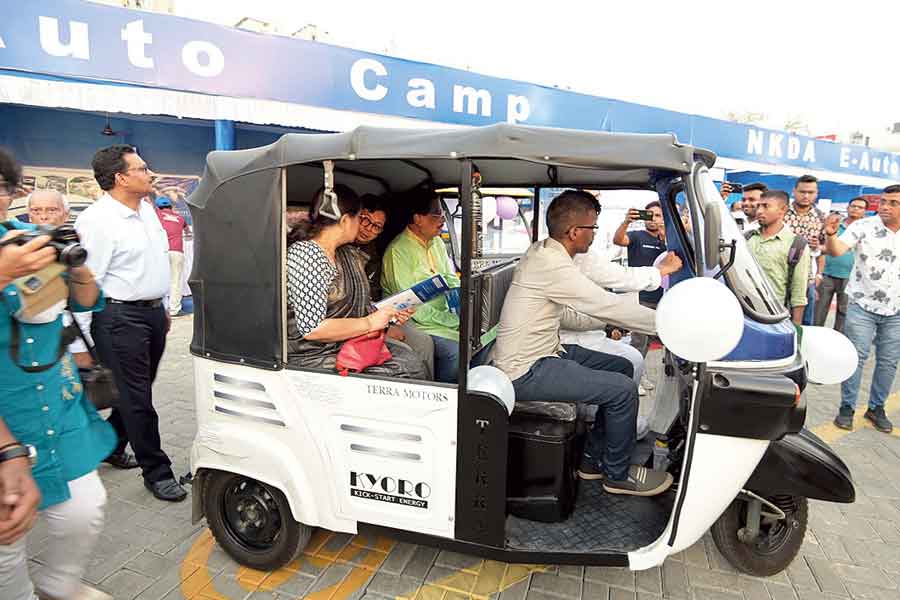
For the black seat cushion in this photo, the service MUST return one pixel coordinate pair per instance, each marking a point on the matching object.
(557, 411)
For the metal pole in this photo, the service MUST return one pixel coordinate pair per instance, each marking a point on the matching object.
(536, 215)
(466, 295)
(224, 135)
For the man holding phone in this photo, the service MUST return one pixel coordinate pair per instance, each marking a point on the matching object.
(643, 249)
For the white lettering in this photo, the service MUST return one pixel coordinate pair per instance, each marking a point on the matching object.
(895, 169)
(137, 40)
(775, 142)
(358, 79)
(2, 43)
(421, 93)
(215, 60)
(809, 153)
(886, 165)
(79, 43)
(755, 139)
(864, 162)
(793, 150)
(517, 109)
(845, 157)
(876, 164)
(471, 97)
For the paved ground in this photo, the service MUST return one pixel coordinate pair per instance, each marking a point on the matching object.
(150, 550)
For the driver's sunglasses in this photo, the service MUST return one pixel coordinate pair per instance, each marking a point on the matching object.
(594, 227)
(367, 222)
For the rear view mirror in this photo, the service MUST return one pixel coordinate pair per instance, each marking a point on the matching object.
(712, 230)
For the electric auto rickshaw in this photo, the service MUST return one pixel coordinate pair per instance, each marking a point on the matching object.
(280, 451)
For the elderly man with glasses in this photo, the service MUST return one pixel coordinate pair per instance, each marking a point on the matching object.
(48, 207)
(419, 253)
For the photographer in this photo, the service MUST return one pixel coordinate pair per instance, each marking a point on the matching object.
(43, 405)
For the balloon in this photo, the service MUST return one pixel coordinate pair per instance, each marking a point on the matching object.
(488, 209)
(492, 380)
(830, 356)
(507, 208)
(699, 320)
(665, 278)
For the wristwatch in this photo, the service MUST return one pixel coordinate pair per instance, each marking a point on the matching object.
(19, 451)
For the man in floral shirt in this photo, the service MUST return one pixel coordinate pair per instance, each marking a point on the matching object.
(874, 311)
(805, 219)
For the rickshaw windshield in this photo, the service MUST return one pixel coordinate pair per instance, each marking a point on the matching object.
(745, 278)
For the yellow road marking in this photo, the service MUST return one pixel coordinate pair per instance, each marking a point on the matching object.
(480, 580)
(831, 433)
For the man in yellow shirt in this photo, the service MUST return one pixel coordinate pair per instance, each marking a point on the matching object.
(419, 253)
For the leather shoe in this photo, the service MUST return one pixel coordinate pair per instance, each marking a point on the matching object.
(166, 489)
(122, 460)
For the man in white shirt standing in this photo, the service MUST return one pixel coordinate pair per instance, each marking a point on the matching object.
(128, 252)
(873, 316)
(547, 282)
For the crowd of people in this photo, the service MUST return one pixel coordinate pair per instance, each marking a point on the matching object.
(811, 258)
(550, 341)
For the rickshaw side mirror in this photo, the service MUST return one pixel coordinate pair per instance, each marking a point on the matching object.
(712, 230)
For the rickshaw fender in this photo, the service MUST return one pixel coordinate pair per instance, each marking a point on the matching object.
(267, 465)
(801, 464)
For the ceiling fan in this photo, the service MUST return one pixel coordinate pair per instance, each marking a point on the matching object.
(109, 131)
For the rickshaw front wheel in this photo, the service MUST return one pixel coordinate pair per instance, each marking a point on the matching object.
(775, 545)
(252, 521)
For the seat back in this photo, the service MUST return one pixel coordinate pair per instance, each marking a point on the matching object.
(491, 286)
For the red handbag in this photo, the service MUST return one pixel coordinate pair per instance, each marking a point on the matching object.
(362, 352)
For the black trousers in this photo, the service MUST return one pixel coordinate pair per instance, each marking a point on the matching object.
(130, 341)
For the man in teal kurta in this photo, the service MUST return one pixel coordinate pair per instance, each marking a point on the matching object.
(45, 406)
(419, 253)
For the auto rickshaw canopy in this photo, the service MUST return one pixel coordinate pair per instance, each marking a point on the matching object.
(238, 207)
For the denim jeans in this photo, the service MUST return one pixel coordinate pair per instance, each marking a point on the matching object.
(446, 358)
(861, 327)
(810, 310)
(583, 376)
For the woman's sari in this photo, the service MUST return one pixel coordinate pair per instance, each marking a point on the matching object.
(348, 298)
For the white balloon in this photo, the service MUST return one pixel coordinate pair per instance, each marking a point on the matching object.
(699, 320)
(492, 380)
(488, 209)
(830, 357)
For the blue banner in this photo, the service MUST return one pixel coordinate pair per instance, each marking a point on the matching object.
(87, 41)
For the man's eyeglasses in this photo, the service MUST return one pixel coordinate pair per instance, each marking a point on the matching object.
(594, 227)
(44, 211)
(145, 169)
(367, 222)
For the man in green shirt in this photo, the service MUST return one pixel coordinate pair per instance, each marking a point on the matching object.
(419, 253)
(771, 245)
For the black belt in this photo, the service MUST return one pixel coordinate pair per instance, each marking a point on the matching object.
(142, 303)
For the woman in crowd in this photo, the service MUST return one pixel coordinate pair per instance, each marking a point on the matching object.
(328, 292)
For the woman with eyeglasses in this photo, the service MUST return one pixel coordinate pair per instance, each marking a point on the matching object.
(328, 291)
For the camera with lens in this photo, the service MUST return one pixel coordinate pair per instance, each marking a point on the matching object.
(64, 239)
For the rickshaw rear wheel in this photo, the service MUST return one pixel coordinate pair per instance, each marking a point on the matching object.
(778, 541)
(252, 521)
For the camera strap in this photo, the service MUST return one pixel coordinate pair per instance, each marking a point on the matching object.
(75, 330)
(15, 337)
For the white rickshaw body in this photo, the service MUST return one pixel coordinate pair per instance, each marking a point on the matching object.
(280, 450)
